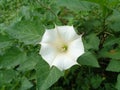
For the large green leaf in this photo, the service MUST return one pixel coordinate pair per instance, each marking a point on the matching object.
(46, 76)
(118, 82)
(114, 66)
(30, 62)
(25, 84)
(111, 41)
(88, 59)
(75, 5)
(5, 42)
(101, 2)
(114, 21)
(6, 76)
(114, 53)
(12, 58)
(91, 42)
(29, 32)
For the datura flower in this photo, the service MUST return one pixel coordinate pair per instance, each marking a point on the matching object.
(61, 47)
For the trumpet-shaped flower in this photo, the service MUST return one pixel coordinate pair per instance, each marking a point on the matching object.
(61, 47)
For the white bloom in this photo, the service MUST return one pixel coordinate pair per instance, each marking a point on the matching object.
(61, 47)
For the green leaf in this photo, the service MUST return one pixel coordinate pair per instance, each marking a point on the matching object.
(91, 42)
(25, 12)
(88, 59)
(12, 58)
(25, 84)
(111, 41)
(6, 76)
(114, 21)
(108, 3)
(5, 42)
(118, 82)
(114, 53)
(96, 81)
(114, 66)
(101, 2)
(75, 5)
(46, 76)
(109, 86)
(112, 3)
(30, 62)
(29, 32)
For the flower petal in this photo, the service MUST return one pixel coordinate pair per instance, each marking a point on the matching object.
(48, 53)
(67, 33)
(49, 36)
(76, 47)
(64, 61)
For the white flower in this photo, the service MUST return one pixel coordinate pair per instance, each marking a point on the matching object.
(61, 47)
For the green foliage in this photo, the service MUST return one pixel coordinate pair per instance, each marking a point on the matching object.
(114, 65)
(26, 84)
(12, 58)
(75, 5)
(46, 76)
(22, 24)
(29, 63)
(114, 54)
(29, 32)
(92, 42)
(5, 42)
(114, 21)
(96, 81)
(6, 76)
(88, 59)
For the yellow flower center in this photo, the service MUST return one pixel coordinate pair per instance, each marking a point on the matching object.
(64, 48)
(60, 45)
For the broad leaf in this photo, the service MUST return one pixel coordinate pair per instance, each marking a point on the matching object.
(111, 41)
(25, 84)
(91, 42)
(101, 2)
(114, 66)
(29, 32)
(30, 62)
(5, 42)
(114, 53)
(46, 76)
(114, 21)
(12, 58)
(88, 59)
(75, 5)
(6, 76)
